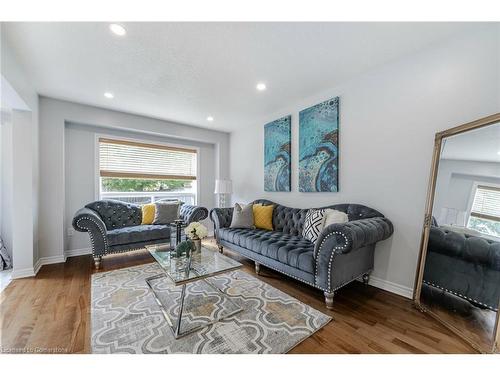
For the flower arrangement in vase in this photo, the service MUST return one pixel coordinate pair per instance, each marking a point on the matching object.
(195, 232)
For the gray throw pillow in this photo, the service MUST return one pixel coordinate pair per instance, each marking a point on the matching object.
(166, 212)
(242, 216)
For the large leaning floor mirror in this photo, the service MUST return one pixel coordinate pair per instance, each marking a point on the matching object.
(458, 281)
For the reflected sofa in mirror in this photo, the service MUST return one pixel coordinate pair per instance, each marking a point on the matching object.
(458, 281)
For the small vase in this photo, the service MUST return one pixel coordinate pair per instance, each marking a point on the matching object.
(197, 244)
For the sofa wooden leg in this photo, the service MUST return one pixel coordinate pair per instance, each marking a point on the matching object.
(329, 300)
(97, 262)
(257, 268)
(366, 278)
(221, 249)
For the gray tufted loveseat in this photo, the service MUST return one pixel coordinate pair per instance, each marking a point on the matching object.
(115, 227)
(463, 265)
(342, 253)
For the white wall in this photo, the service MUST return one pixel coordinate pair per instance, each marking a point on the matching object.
(80, 173)
(455, 182)
(23, 202)
(23, 172)
(388, 119)
(54, 115)
(6, 164)
(3, 115)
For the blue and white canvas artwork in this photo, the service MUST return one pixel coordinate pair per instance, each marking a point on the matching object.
(319, 147)
(277, 142)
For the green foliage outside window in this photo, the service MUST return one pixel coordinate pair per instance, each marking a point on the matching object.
(110, 184)
(485, 226)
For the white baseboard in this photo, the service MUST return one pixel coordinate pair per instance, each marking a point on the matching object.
(32, 271)
(24, 272)
(38, 265)
(77, 252)
(49, 260)
(389, 286)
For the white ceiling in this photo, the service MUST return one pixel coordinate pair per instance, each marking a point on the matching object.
(184, 72)
(478, 145)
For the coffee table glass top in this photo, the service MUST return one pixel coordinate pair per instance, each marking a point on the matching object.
(204, 263)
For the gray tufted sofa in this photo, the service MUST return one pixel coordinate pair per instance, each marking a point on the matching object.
(342, 253)
(115, 227)
(464, 265)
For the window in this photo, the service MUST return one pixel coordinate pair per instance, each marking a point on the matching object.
(137, 172)
(485, 211)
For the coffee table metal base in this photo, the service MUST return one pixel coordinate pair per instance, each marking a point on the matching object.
(176, 330)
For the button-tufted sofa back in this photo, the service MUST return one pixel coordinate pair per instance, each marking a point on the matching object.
(117, 214)
(291, 220)
(470, 248)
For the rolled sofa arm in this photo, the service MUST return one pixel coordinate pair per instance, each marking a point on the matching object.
(221, 217)
(343, 238)
(87, 220)
(337, 240)
(193, 213)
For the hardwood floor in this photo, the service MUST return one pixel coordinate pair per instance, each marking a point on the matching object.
(476, 324)
(51, 313)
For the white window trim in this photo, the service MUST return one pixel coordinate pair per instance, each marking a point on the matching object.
(97, 180)
(472, 195)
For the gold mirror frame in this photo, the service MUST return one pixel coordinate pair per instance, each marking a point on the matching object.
(427, 224)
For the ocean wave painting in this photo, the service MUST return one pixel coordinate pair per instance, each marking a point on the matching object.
(277, 141)
(318, 147)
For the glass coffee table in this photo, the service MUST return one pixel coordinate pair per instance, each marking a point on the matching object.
(200, 265)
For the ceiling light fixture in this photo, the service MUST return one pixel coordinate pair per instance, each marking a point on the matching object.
(261, 86)
(109, 95)
(117, 29)
(210, 119)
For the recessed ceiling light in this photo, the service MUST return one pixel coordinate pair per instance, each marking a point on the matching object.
(261, 86)
(109, 95)
(210, 118)
(117, 29)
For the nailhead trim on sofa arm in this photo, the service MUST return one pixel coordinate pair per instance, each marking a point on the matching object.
(221, 217)
(344, 238)
(87, 220)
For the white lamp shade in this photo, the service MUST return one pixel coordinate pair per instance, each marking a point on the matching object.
(223, 187)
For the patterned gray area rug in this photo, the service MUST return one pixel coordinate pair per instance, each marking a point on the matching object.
(127, 319)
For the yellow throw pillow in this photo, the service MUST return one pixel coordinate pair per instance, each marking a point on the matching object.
(148, 213)
(263, 216)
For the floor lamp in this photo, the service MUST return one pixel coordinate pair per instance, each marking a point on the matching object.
(223, 187)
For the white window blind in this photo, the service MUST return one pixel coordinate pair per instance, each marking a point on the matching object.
(126, 159)
(486, 203)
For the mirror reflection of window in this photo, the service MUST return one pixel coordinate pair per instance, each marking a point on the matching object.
(484, 215)
(467, 196)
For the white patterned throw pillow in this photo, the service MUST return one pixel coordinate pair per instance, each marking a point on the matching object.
(313, 224)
